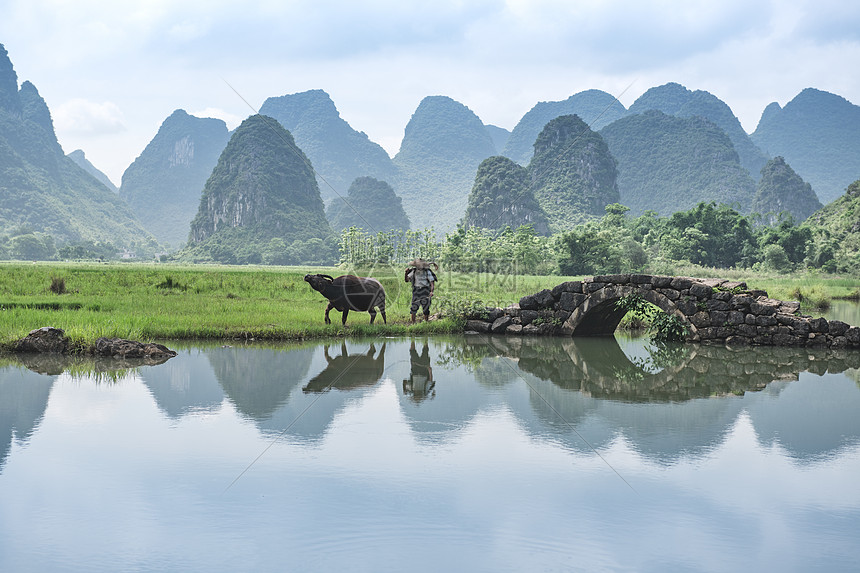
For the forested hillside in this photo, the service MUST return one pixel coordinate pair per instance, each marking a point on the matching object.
(816, 132)
(573, 175)
(443, 145)
(46, 200)
(668, 164)
(594, 107)
(369, 204)
(338, 152)
(781, 190)
(675, 99)
(261, 204)
(164, 183)
(502, 197)
(837, 229)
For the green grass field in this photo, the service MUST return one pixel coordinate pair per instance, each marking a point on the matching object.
(147, 302)
(161, 302)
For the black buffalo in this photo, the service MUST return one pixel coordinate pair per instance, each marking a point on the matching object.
(349, 292)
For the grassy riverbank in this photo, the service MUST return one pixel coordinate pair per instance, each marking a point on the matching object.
(147, 302)
(158, 302)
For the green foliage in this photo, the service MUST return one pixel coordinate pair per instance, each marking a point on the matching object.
(370, 204)
(606, 246)
(248, 246)
(573, 175)
(670, 164)
(501, 197)
(359, 248)
(793, 241)
(32, 247)
(708, 234)
(836, 233)
(87, 250)
(774, 258)
(664, 327)
(507, 252)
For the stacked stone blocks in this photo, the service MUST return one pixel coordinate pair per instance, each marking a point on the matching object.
(714, 310)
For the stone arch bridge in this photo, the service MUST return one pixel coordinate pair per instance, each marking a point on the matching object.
(713, 310)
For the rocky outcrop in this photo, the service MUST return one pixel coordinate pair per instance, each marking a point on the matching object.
(262, 188)
(44, 340)
(50, 340)
(713, 311)
(121, 348)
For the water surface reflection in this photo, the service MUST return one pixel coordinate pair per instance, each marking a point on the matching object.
(351, 455)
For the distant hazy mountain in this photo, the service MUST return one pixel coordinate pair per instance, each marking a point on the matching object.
(164, 183)
(669, 164)
(338, 153)
(369, 204)
(81, 160)
(573, 175)
(42, 190)
(817, 133)
(499, 135)
(675, 99)
(261, 195)
(443, 145)
(782, 190)
(594, 107)
(502, 197)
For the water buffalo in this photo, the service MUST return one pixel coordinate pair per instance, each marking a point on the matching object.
(349, 292)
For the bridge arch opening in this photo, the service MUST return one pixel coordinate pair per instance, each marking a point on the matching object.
(599, 315)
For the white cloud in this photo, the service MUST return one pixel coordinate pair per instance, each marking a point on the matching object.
(230, 119)
(378, 59)
(83, 117)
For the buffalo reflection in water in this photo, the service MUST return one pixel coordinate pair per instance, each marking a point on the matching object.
(346, 372)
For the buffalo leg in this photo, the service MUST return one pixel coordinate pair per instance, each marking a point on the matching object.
(345, 314)
(372, 315)
(384, 320)
(327, 309)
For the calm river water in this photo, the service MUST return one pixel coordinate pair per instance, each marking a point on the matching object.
(448, 454)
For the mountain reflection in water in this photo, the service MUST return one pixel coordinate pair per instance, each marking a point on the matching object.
(433, 454)
(667, 401)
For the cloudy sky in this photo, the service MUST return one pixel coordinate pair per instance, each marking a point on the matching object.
(112, 70)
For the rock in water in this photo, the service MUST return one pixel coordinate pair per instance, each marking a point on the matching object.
(121, 348)
(46, 340)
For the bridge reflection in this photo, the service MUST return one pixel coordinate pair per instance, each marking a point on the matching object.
(665, 401)
(669, 372)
